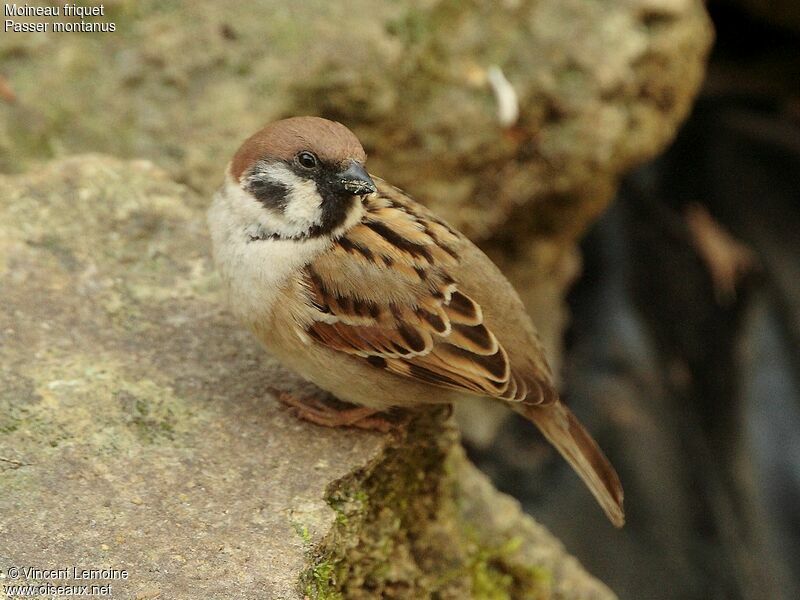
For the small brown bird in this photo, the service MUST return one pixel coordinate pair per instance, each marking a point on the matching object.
(369, 295)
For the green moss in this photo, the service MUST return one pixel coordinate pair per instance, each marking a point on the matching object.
(150, 417)
(302, 531)
(320, 585)
(496, 575)
(489, 583)
(399, 533)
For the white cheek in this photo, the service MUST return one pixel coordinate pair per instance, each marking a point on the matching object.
(304, 204)
(303, 207)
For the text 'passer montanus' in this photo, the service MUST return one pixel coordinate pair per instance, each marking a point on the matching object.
(370, 296)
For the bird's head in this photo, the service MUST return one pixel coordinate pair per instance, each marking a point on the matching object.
(305, 174)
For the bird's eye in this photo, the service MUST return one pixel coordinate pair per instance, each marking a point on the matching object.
(307, 160)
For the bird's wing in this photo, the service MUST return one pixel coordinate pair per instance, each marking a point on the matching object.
(385, 293)
(388, 293)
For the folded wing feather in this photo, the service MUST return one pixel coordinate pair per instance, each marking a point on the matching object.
(384, 293)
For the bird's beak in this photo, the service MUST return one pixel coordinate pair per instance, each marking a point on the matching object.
(355, 180)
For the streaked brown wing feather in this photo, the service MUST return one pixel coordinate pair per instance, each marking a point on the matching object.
(384, 293)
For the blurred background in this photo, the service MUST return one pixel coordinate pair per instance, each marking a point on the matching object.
(683, 346)
(632, 165)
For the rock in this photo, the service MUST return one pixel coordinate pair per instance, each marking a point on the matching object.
(600, 87)
(138, 431)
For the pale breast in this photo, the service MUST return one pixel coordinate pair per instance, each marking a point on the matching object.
(254, 268)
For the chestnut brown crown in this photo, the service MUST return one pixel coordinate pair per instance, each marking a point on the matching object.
(282, 140)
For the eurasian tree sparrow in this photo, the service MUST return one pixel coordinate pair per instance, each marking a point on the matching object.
(369, 295)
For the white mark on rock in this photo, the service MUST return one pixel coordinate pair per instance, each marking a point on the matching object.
(506, 96)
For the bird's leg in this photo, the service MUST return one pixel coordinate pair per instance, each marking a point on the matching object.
(321, 412)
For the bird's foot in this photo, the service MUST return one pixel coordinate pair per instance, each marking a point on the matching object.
(324, 412)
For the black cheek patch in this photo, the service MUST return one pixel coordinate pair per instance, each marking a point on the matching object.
(270, 193)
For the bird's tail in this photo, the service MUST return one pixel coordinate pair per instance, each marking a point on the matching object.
(564, 431)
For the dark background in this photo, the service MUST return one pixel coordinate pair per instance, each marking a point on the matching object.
(690, 385)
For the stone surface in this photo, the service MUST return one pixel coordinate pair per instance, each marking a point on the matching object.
(138, 430)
